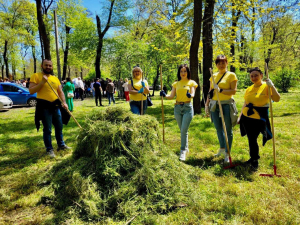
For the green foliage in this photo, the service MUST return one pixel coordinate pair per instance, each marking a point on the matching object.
(284, 79)
(243, 79)
(120, 168)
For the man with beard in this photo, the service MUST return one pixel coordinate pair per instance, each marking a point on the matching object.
(48, 106)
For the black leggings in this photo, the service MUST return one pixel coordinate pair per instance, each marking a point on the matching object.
(252, 127)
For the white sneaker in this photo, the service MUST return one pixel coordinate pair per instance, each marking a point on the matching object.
(182, 155)
(226, 159)
(221, 152)
(51, 153)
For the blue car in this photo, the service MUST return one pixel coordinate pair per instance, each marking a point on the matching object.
(18, 94)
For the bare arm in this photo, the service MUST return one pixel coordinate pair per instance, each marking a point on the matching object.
(34, 87)
(192, 92)
(238, 121)
(275, 95)
(172, 95)
(232, 90)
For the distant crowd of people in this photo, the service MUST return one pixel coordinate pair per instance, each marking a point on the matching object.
(22, 82)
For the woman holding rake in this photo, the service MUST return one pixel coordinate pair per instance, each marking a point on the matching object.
(184, 89)
(254, 118)
(226, 85)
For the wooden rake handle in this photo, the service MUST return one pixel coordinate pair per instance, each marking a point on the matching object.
(271, 114)
(63, 103)
(162, 104)
(222, 115)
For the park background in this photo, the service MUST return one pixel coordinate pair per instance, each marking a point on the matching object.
(152, 33)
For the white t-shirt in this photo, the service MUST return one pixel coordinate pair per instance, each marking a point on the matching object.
(125, 86)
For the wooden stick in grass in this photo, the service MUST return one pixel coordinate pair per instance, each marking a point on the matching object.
(63, 103)
(162, 104)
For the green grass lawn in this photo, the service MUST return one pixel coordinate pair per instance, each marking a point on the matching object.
(234, 196)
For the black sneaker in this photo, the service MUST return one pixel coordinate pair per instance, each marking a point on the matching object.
(248, 163)
(65, 147)
(254, 164)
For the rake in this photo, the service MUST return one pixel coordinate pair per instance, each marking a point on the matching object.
(273, 135)
(223, 123)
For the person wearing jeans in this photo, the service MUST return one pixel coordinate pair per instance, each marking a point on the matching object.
(110, 89)
(47, 105)
(184, 89)
(226, 86)
(138, 90)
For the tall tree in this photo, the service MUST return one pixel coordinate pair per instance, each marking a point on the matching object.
(207, 39)
(44, 34)
(101, 35)
(194, 53)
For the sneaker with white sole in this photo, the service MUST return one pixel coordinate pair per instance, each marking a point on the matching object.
(221, 152)
(51, 153)
(182, 155)
(226, 159)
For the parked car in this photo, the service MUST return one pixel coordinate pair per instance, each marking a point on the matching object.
(18, 94)
(5, 102)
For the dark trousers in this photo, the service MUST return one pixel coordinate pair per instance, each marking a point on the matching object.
(98, 96)
(81, 93)
(252, 127)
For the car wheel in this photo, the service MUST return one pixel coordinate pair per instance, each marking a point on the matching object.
(32, 102)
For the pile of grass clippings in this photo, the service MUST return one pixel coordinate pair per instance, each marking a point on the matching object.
(120, 168)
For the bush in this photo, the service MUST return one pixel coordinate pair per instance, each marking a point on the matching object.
(243, 79)
(121, 168)
(284, 80)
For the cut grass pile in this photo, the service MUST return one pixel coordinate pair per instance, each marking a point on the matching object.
(120, 169)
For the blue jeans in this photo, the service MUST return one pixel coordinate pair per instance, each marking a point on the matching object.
(52, 117)
(184, 115)
(110, 96)
(219, 127)
(135, 107)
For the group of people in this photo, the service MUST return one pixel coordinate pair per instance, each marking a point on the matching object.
(21, 82)
(253, 118)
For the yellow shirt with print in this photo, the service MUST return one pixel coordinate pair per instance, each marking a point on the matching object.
(224, 84)
(182, 87)
(46, 92)
(258, 96)
(137, 85)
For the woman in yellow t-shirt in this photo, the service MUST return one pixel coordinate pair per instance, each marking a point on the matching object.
(254, 117)
(184, 89)
(138, 91)
(227, 85)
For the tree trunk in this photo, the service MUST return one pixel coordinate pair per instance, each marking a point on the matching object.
(267, 60)
(6, 59)
(235, 19)
(42, 29)
(24, 71)
(194, 53)
(207, 44)
(34, 58)
(69, 74)
(156, 79)
(81, 73)
(66, 52)
(2, 71)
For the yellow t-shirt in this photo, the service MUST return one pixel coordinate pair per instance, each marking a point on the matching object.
(182, 87)
(224, 84)
(137, 85)
(46, 92)
(258, 96)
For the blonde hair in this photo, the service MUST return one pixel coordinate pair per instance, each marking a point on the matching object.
(137, 67)
(126, 80)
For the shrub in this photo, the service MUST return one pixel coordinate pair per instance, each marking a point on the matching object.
(243, 79)
(284, 79)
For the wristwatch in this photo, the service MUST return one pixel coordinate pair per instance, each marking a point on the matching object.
(221, 90)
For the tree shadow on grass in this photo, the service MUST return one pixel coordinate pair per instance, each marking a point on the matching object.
(238, 169)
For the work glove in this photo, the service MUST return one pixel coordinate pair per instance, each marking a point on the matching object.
(269, 83)
(216, 87)
(143, 83)
(162, 93)
(206, 109)
(188, 94)
(141, 90)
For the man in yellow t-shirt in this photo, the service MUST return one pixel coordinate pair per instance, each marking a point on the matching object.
(48, 105)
